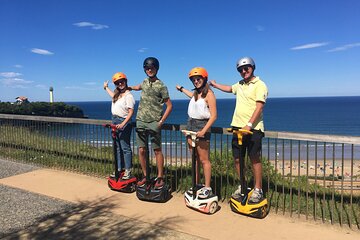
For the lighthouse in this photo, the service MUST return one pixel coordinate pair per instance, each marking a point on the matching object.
(51, 94)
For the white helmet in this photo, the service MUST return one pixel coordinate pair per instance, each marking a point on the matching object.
(245, 61)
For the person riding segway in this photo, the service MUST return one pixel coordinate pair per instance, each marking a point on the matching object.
(193, 199)
(118, 181)
(149, 191)
(241, 203)
(122, 109)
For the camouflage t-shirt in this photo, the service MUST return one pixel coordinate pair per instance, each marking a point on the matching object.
(152, 99)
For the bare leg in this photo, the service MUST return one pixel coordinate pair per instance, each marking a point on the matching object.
(237, 165)
(257, 170)
(159, 161)
(142, 156)
(203, 156)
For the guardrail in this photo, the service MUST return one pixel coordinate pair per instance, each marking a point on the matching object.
(311, 175)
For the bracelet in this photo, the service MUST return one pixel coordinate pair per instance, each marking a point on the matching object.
(105, 87)
(181, 88)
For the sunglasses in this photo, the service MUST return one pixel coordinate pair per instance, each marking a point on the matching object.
(150, 68)
(196, 79)
(245, 68)
(119, 82)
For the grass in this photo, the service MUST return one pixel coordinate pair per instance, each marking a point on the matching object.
(294, 196)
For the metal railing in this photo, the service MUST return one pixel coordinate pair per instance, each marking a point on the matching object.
(316, 176)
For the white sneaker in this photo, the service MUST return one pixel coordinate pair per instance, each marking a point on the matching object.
(237, 192)
(256, 196)
(204, 192)
(127, 174)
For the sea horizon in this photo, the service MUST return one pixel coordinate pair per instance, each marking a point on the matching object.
(316, 115)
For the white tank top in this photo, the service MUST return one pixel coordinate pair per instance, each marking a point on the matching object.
(122, 105)
(198, 109)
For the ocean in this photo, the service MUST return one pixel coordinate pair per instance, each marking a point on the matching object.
(319, 115)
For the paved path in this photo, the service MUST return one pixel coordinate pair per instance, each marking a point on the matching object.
(83, 207)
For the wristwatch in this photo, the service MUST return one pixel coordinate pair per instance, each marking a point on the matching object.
(249, 124)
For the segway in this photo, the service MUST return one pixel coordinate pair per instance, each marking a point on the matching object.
(207, 205)
(148, 192)
(117, 183)
(242, 205)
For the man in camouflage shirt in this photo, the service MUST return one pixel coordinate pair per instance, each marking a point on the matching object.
(150, 116)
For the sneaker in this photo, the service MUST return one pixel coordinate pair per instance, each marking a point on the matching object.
(113, 174)
(237, 193)
(198, 187)
(256, 196)
(127, 174)
(141, 182)
(204, 192)
(159, 182)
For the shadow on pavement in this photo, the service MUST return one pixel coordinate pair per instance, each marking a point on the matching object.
(97, 221)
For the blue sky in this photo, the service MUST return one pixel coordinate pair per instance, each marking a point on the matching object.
(301, 48)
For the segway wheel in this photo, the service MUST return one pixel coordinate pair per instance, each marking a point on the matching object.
(213, 207)
(133, 187)
(261, 212)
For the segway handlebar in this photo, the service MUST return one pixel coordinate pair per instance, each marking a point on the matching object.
(192, 134)
(239, 132)
(113, 128)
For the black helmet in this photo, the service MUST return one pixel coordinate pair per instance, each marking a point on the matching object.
(151, 62)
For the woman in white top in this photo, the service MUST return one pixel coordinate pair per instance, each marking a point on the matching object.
(122, 109)
(202, 114)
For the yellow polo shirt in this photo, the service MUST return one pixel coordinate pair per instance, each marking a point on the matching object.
(247, 94)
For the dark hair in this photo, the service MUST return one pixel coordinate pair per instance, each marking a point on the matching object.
(204, 91)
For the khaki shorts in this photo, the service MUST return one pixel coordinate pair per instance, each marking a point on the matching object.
(155, 135)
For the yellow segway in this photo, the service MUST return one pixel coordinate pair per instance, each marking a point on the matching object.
(242, 205)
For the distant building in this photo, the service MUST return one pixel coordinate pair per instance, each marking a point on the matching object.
(51, 89)
(21, 100)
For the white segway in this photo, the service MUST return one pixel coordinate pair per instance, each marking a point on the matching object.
(207, 205)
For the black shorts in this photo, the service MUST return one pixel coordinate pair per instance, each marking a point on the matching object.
(250, 144)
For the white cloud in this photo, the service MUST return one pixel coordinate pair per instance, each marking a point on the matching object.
(141, 50)
(41, 51)
(15, 82)
(10, 74)
(41, 86)
(11, 80)
(94, 26)
(80, 88)
(345, 47)
(90, 83)
(310, 45)
(260, 28)
(18, 66)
